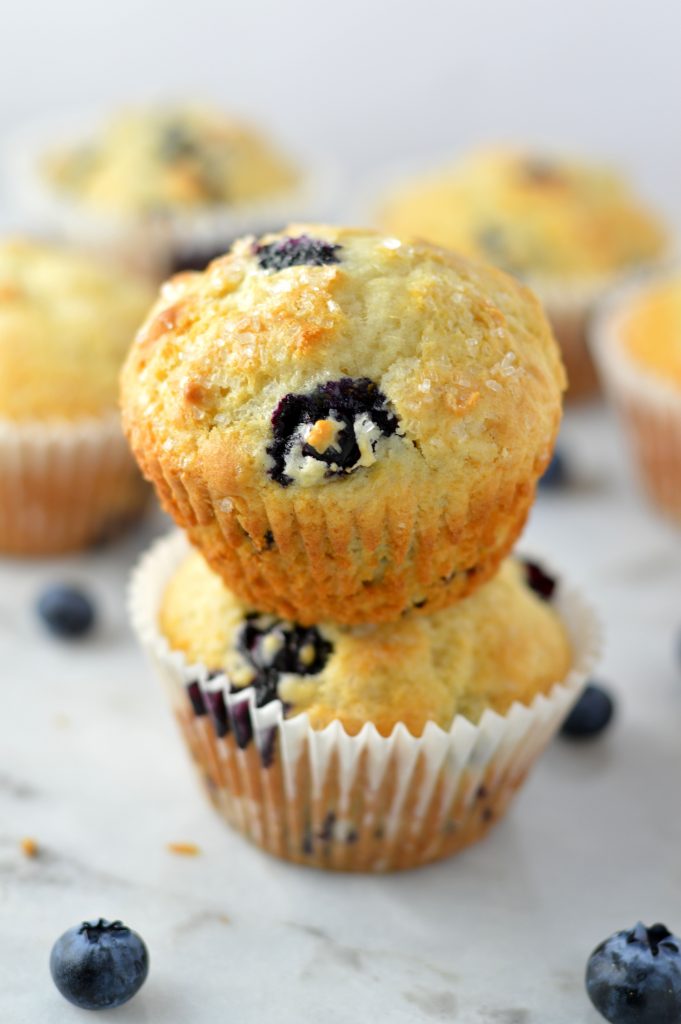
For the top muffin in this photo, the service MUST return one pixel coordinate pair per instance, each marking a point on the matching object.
(150, 160)
(348, 425)
(535, 216)
(65, 326)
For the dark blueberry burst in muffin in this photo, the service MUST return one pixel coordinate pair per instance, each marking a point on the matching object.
(272, 647)
(328, 432)
(296, 252)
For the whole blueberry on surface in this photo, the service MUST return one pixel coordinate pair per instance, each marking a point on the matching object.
(99, 965)
(66, 611)
(634, 977)
(555, 475)
(537, 579)
(590, 715)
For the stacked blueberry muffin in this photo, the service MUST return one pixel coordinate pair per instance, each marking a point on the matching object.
(349, 429)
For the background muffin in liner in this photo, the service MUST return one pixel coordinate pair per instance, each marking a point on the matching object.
(435, 382)
(67, 478)
(570, 229)
(649, 406)
(163, 240)
(365, 802)
(64, 486)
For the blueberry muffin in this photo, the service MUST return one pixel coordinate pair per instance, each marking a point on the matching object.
(637, 341)
(152, 159)
(347, 425)
(161, 188)
(66, 323)
(505, 643)
(365, 748)
(567, 228)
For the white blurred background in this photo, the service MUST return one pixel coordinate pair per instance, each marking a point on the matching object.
(369, 82)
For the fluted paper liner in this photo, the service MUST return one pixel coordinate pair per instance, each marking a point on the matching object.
(65, 485)
(649, 408)
(365, 802)
(306, 558)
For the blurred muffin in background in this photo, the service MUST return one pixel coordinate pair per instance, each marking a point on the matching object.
(637, 342)
(569, 229)
(66, 476)
(164, 187)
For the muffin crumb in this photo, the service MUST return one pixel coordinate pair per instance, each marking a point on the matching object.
(29, 847)
(184, 849)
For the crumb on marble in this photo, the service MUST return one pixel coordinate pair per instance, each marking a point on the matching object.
(184, 849)
(29, 847)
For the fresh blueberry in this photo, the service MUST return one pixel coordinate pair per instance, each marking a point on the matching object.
(538, 580)
(634, 977)
(555, 475)
(99, 964)
(273, 647)
(590, 715)
(342, 401)
(296, 252)
(66, 611)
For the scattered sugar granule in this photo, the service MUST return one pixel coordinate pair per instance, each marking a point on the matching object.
(507, 365)
(424, 385)
(493, 385)
(225, 504)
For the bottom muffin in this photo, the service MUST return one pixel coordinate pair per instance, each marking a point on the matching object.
(362, 748)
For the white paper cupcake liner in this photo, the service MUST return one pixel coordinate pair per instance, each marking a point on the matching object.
(649, 408)
(365, 802)
(65, 485)
(154, 245)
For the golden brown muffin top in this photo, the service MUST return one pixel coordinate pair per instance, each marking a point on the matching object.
(503, 644)
(65, 325)
(183, 157)
(651, 329)
(320, 355)
(533, 215)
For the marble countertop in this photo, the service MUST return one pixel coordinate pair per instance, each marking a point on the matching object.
(92, 768)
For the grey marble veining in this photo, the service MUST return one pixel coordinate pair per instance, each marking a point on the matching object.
(91, 766)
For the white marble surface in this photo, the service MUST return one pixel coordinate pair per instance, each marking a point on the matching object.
(90, 765)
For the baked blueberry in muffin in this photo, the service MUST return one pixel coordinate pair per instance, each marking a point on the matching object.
(270, 647)
(295, 252)
(331, 431)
